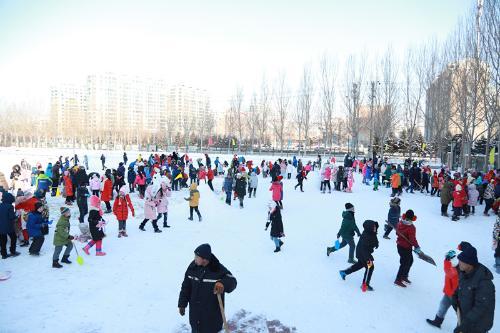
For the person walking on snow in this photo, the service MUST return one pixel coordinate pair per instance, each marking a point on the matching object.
(163, 194)
(277, 191)
(276, 222)
(194, 201)
(150, 204)
(347, 231)
(62, 238)
(366, 245)
(96, 226)
(406, 241)
(205, 278)
(450, 285)
(120, 209)
(393, 216)
(252, 184)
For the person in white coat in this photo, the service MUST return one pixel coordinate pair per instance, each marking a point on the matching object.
(252, 184)
(289, 169)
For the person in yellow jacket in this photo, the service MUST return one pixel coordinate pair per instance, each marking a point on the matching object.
(194, 200)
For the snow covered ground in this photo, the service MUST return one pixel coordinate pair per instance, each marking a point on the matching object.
(135, 287)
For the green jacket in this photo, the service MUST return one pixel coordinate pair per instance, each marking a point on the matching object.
(348, 227)
(61, 235)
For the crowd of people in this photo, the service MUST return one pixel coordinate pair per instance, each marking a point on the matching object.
(25, 214)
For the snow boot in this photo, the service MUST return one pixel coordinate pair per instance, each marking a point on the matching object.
(436, 322)
(24, 243)
(65, 260)
(120, 234)
(141, 227)
(368, 288)
(278, 249)
(158, 231)
(400, 283)
(56, 264)
(86, 250)
(199, 218)
(281, 242)
(386, 237)
(165, 225)
(5, 256)
(14, 254)
(405, 280)
(190, 218)
(100, 253)
(125, 233)
(343, 274)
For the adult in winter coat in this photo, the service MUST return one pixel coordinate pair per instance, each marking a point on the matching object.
(7, 222)
(120, 209)
(475, 295)
(240, 188)
(56, 176)
(205, 277)
(366, 245)
(446, 196)
(82, 195)
(392, 216)
(395, 182)
(150, 204)
(62, 238)
(103, 161)
(131, 178)
(34, 227)
(43, 182)
(347, 230)
(68, 188)
(96, 227)
(163, 194)
(252, 184)
(450, 285)
(406, 241)
(194, 201)
(276, 222)
(277, 191)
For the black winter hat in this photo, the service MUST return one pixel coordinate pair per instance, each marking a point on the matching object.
(204, 251)
(349, 206)
(468, 255)
(410, 215)
(38, 205)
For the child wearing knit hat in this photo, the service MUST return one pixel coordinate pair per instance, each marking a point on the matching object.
(62, 238)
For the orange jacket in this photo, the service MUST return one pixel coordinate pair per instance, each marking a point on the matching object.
(395, 180)
(450, 278)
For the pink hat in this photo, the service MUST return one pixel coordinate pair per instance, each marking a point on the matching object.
(123, 189)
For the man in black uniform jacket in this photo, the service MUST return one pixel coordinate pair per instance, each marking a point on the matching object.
(205, 277)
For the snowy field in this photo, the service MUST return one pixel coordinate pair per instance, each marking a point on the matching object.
(135, 287)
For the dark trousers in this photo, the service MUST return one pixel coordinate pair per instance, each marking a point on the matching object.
(228, 198)
(250, 190)
(36, 244)
(488, 203)
(289, 176)
(279, 203)
(434, 190)
(108, 205)
(405, 262)
(153, 222)
(191, 209)
(165, 218)
(142, 189)
(131, 187)
(352, 246)
(457, 211)
(210, 184)
(83, 211)
(388, 228)
(241, 197)
(122, 225)
(175, 185)
(325, 184)
(444, 209)
(362, 264)
(3, 243)
(299, 184)
(95, 192)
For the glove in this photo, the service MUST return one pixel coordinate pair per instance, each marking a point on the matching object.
(50, 222)
(417, 250)
(218, 288)
(71, 237)
(267, 224)
(182, 311)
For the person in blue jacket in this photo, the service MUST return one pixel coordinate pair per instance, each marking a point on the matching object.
(43, 182)
(7, 221)
(34, 227)
(131, 178)
(228, 187)
(393, 216)
(48, 171)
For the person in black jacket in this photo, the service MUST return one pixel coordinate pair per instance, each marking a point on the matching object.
(393, 216)
(276, 222)
(205, 277)
(7, 222)
(240, 188)
(56, 176)
(96, 227)
(367, 243)
(82, 193)
(131, 178)
(475, 295)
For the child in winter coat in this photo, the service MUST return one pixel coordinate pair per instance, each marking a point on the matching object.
(252, 184)
(327, 174)
(450, 285)
(95, 185)
(289, 169)
(96, 226)
(120, 209)
(62, 238)
(496, 243)
(376, 175)
(350, 180)
(131, 175)
(240, 187)
(227, 187)
(395, 182)
(107, 192)
(68, 188)
(163, 194)
(150, 204)
(393, 216)
(194, 201)
(210, 177)
(366, 245)
(82, 193)
(347, 231)
(34, 227)
(7, 224)
(434, 184)
(473, 197)
(458, 202)
(489, 197)
(276, 222)
(406, 241)
(277, 189)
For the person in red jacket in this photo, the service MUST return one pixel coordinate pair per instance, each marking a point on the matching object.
(450, 285)
(459, 198)
(107, 193)
(68, 188)
(24, 205)
(210, 176)
(120, 209)
(406, 241)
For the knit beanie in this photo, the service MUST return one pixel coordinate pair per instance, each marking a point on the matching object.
(468, 255)
(204, 251)
(64, 210)
(349, 207)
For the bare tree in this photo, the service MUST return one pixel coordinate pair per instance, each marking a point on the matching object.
(328, 72)
(252, 119)
(236, 109)
(263, 112)
(298, 117)
(281, 96)
(354, 74)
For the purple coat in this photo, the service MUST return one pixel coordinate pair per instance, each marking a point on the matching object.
(163, 201)
(150, 204)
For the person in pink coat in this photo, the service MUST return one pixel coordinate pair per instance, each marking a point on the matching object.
(150, 204)
(326, 178)
(95, 185)
(277, 191)
(140, 181)
(162, 197)
(202, 174)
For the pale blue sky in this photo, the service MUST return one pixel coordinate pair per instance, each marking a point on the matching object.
(210, 44)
